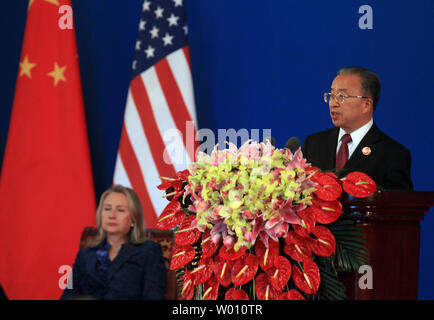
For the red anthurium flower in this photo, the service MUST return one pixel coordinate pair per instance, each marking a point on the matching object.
(183, 175)
(266, 255)
(223, 270)
(187, 291)
(328, 187)
(280, 273)
(175, 197)
(211, 289)
(291, 295)
(167, 183)
(181, 255)
(202, 272)
(230, 253)
(171, 207)
(187, 234)
(297, 247)
(333, 175)
(215, 264)
(236, 294)
(207, 244)
(326, 211)
(308, 219)
(171, 216)
(244, 269)
(312, 169)
(325, 245)
(309, 279)
(263, 288)
(359, 185)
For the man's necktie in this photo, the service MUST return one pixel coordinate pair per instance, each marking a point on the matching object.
(342, 155)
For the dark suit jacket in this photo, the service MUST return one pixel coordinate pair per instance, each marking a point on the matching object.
(388, 164)
(137, 272)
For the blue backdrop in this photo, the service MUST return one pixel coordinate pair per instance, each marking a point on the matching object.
(257, 65)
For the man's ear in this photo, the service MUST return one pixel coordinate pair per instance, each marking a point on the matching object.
(369, 104)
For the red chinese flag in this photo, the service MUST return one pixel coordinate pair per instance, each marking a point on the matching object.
(46, 187)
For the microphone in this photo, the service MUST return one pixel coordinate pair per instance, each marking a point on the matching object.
(271, 140)
(293, 144)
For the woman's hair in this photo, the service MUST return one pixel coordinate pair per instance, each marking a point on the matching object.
(137, 233)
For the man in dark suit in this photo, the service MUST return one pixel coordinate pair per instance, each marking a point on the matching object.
(356, 143)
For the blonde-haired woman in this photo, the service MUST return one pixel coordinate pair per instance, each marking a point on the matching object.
(120, 262)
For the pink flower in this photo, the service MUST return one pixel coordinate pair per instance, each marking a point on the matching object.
(247, 214)
(273, 222)
(212, 184)
(278, 230)
(216, 238)
(219, 228)
(216, 211)
(264, 237)
(258, 226)
(298, 161)
(195, 194)
(249, 237)
(202, 206)
(229, 242)
(289, 213)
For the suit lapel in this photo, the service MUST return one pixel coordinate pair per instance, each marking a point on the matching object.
(369, 140)
(329, 153)
(124, 254)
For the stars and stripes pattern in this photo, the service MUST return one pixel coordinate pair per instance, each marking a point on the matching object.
(160, 108)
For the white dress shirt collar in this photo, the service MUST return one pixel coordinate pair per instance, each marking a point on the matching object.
(356, 137)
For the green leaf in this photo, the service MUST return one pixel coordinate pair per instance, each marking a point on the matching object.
(179, 273)
(330, 288)
(351, 250)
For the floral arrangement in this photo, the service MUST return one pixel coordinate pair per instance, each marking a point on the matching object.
(260, 223)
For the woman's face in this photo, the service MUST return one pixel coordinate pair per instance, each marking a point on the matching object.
(116, 216)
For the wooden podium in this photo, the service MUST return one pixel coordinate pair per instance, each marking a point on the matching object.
(391, 224)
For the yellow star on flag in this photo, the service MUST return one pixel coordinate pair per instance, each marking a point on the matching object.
(57, 73)
(55, 2)
(26, 67)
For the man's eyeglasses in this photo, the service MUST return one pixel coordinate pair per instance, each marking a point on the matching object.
(339, 97)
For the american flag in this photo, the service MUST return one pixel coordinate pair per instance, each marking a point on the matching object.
(160, 105)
